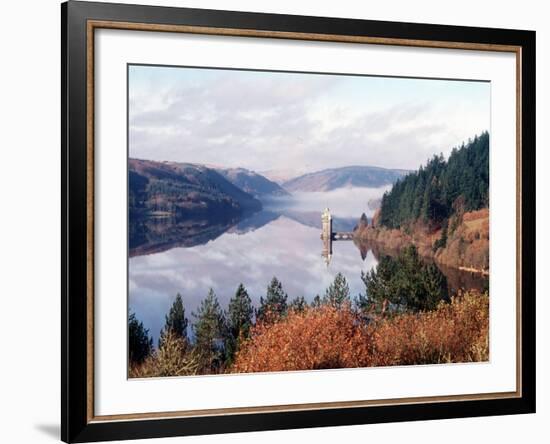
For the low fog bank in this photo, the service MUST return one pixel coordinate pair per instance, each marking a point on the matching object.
(343, 202)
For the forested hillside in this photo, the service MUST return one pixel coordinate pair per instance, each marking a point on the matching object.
(440, 188)
(182, 189)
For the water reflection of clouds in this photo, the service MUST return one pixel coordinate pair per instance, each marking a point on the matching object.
(283, 248)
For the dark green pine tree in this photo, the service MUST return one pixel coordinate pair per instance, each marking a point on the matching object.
(209, 333)
(338, 292)
(140, 344)
(274, 305)
(238, 321)
(316, 302)
(298, 304)
(175, 320)
(435, 287)
(405, 283)
(377, 282)
(442, 241)
(361, 302)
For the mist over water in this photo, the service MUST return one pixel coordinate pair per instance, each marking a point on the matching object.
(343, 202)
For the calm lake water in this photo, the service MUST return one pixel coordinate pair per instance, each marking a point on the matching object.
(190, 256)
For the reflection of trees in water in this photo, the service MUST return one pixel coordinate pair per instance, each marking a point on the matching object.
(456, 279)
(460, 279)
(158, 234)
(150, 235)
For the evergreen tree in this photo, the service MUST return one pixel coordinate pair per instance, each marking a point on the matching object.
(140, 344)
(209, 333)
(435, 287)
(405, 282)
(377, 284)
(361, 302)
(316, 303)
(175, 320)
(238, 320)
(338, 292)
(442, 241)
(275, 303)
(298, 304)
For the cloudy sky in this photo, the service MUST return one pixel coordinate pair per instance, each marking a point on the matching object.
(298, 122)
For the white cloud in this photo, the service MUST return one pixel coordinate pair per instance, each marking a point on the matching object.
(265, 121)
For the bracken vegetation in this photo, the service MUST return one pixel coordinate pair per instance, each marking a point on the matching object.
(328, 337)
(316, 338)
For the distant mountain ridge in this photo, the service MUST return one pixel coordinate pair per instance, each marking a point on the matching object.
(333, 178)
(280, 175)
(252, 182)
(196, 191)
(184, 189)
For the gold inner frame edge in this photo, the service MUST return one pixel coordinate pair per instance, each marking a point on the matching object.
(92, 25)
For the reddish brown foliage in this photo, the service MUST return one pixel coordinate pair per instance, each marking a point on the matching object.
(481, 214)
(327, 337)
(467, 243)
(455, 332)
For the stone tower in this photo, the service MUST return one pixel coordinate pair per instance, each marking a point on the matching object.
(326, 235)
(326, 220)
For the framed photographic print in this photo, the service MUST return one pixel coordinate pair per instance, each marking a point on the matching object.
(275, 221)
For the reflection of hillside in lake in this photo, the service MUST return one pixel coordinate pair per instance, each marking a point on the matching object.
(158, 234)
(283, 248)
(456, 279)
(169, 256)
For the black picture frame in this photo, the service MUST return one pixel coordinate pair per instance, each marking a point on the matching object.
(76, 423)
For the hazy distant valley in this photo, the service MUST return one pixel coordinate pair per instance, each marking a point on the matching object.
(183, 205)
(185, 190)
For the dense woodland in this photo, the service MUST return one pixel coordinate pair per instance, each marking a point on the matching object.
(434, 192)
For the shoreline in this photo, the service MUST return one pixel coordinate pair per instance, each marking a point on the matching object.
(474, 270)
(466, 248)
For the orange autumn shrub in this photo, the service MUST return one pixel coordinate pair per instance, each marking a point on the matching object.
(320, 338)
(454, 332)
(328, 337)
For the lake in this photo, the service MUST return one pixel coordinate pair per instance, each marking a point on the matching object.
(189, 257)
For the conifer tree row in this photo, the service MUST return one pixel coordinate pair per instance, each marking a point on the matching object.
(217, 334)
(432, 193)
